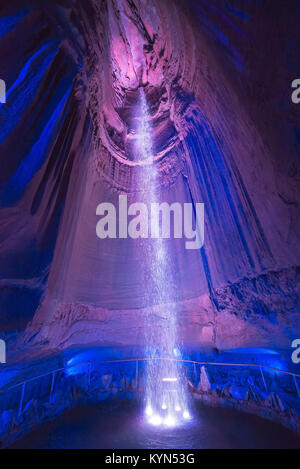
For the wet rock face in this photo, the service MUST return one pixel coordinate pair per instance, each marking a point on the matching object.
(68, 142)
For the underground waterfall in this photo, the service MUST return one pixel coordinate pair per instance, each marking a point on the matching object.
(166, 399)
(149, 224)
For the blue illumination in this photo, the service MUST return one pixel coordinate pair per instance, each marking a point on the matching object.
(214, 32)
(15, 187)
(206, 151)
(255, 350)
(8, 23)
(26, 69)
(7, 374)
(239, 14)
(21, 93)
(77, 360)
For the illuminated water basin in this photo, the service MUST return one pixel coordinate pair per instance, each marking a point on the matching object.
(121, 427)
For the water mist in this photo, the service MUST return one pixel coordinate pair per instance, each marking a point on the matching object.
(166, 402)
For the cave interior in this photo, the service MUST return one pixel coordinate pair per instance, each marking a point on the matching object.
(216, 79)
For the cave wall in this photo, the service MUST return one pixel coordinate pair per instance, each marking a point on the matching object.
(217, 77)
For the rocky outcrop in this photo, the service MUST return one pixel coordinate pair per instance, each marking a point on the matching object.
(261, 312)
(244, 391)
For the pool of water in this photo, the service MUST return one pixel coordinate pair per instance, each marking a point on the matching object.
(121, 427)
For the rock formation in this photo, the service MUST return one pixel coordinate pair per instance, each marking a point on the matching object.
(216, 77)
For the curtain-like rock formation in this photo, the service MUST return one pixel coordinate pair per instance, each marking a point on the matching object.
(68, 134)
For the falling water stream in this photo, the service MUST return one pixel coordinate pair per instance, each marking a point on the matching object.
(166, 400)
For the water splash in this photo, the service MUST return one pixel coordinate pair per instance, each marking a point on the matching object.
(165, 396)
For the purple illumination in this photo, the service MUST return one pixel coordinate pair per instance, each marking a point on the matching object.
(130, 103)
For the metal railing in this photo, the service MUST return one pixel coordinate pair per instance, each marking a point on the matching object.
(89, 364)
(53, 373)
